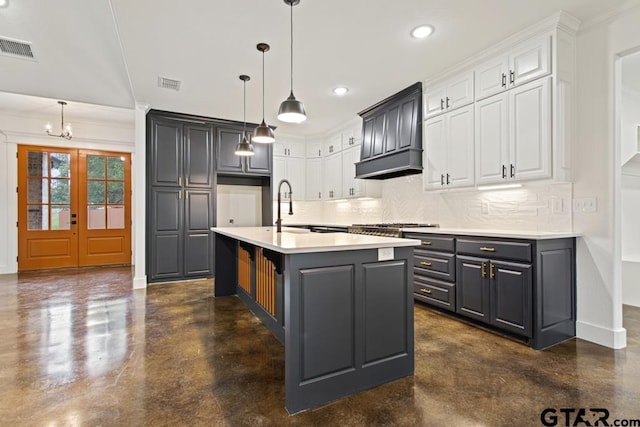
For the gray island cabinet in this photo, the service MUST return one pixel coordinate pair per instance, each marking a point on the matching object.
(341, 304)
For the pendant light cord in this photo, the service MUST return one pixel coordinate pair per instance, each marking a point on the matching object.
(291, 47)
(62, 118)
(244, 110)
(263, 85)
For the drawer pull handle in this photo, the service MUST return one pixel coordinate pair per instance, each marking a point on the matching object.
(426, 243)
(426, 264)
(425, 291)
(486, 249)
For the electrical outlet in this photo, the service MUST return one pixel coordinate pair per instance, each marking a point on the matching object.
(556, 205)
(485, 208)
(585, 205)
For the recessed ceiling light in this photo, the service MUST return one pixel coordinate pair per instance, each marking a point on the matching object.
(4, 3)
(340, 90)
(422, 31)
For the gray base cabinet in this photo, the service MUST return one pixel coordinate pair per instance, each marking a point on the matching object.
(524, 289)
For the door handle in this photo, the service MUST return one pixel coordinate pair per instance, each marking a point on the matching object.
(441, 179)
(483, 270)
(491, 275)
(504, 80)
(448, 182)
(441, 104)
(74, 222)
(504, 171)
(513, 171)
(512, 77)
(448, 99)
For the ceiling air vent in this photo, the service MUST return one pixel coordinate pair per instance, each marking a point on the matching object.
(16, 49)
(166, 83)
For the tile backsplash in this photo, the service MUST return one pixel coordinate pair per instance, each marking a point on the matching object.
(534, 207)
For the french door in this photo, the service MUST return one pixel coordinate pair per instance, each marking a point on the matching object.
(74, 208)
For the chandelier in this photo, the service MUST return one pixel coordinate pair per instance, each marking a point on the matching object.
(66, 130)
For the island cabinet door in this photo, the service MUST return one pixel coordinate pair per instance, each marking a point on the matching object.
(472, 287)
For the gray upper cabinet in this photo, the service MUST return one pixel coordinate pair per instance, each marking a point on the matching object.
(231, 164)
(198, 154)
(166, 152)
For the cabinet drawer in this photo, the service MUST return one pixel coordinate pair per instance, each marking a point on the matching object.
(433, 243)
(435, 292)
(434, 264)
(495, 249)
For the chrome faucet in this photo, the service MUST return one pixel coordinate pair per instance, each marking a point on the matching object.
(279, 220)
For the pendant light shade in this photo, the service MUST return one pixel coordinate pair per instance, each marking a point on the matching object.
(244, 147)
(292, 110)
(263, 133)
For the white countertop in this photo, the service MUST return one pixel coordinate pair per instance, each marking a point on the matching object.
(295, 240)
(512, 234)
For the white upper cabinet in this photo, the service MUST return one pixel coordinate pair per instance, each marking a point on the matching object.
(513, 134)
(352, 136)
(289, 148)
(314, 150)
(453, 93)
(525, 62)
(332, 173)
(333, 144)
(449, 150)
(351, 186)
(314, 179)
(293, 170)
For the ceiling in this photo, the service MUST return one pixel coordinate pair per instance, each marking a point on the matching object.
(111, 53)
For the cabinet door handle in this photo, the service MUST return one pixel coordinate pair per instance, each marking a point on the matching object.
(425, 291)
(425, 264)
(448, 182)
(426, 242)
(319, 195)
(504, 80)
(318, 153)
(486, 249)
(491, 275)
(483, 270)
(513, 171)
(512, 77)
(180, 181)
(441, 179)
(504, 172)
(441, 104)
(448, 99)
(179, 194)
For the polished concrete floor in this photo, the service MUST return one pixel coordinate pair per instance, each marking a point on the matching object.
(80, 348)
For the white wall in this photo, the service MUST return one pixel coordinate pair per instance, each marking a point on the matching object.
(630, 121)
(596, 174)
(28, 129)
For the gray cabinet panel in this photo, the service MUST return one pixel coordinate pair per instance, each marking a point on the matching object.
(260, 162)
(167, 209)
(556, 290)
(407, 129)
(166, 152)
(435, 264)
(378, 134)
(227, 160)
(327, 320)
(393, 118)
(367, 138)
(385, 308)
(472, 290)
(198, 259)
(167, 256)
(198, 156)
(511, 296)
(198, 210)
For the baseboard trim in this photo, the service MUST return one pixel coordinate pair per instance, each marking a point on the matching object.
(140, 282)
(611, 338)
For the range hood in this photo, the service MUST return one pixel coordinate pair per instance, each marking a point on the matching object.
(392, 136)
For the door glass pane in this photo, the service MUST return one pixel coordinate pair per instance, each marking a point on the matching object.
(60, 163)
(38, 190)
(95, 192)
(115, 216)
(115, 168)
(95, 166)
(116, 192)
(37, 163)
(96, 217)
(60, 191)
(38, 217)
(60, 217)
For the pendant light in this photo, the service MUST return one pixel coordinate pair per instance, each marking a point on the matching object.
(263, 133)
(65, 131)
(244, 148)
(292, 110)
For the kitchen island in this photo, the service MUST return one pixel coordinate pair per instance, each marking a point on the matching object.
(341, 304)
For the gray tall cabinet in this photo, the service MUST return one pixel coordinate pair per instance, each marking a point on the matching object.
(187, 156)
(181, 199)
